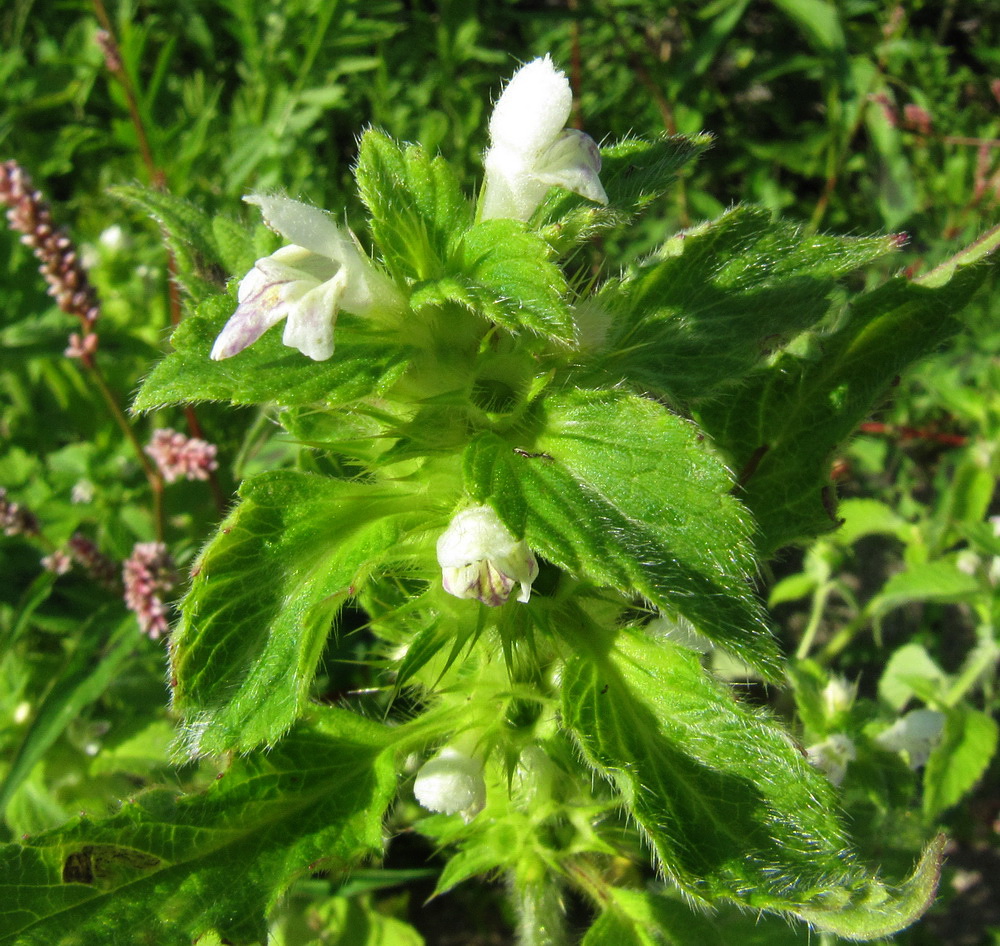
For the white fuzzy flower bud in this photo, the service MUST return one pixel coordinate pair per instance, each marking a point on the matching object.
(838, 695)
(479, 558)
(916, 734)
(531, 149)
(452, 783)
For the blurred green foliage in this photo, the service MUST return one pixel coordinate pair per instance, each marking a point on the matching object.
(853, 116)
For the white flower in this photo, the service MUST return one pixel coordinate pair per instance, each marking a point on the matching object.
(832, 755)
(452, 783)
(480, 559)
(82, 492)
(531, 149)
(916, 734)
(306, 283)
(113, 238)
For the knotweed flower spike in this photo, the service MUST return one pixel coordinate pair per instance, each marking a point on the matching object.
(452, 783)
(306, 283)
(531, 149)
(179, 457)
(480, 559)
(148, 575)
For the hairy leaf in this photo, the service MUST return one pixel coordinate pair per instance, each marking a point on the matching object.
(727, 801)
(634, 173)
(417, 209)
(717, 299)
(781, 428)
(620, 491)
(265, 594)
(189, 233)
(503, 272)
(645, 918)
(268, 371)
(168, 868)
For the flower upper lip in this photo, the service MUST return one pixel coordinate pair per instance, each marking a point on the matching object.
(306, 283)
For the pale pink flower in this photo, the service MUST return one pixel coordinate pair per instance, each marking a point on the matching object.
(58, 562)
(81, 347)
(149, 575)
(179, 457)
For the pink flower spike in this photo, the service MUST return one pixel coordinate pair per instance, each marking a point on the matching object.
(149, 575)
(179, 457)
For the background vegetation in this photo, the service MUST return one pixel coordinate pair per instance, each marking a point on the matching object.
(851, 117)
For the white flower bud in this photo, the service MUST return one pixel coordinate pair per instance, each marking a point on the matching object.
(916, 734)
(537, 773)
(451, 783)
(838, 695)
(531, 149)
(832, 755)
(479, 558)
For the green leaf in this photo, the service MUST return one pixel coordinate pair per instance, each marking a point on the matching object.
(645, 918)
(90, 668)
(819, 22)
(864, 517)
(265, 594)
(783, 425)
(726, 800)
(167, 869)
(235, 246)
(634, 173)
(717, 299)
(503, 272)
(620, 491)
(897, 193)
(364, 363)
(496, 848)
(940, 580)
(357, 921)
(910, 671)
(417, 209)
(960, 759)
